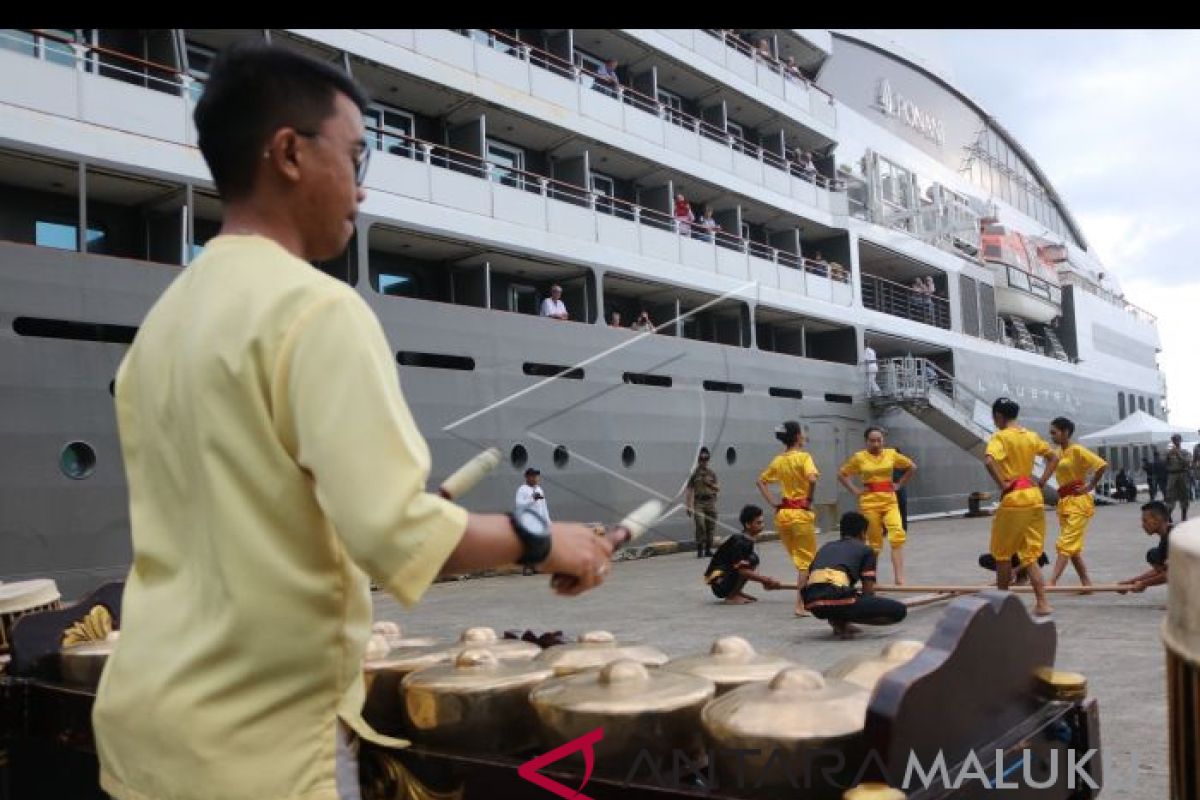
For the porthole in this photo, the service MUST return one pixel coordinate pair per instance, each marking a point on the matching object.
(519, 456)
(561, 456)
(628, 456)
(731, 456)
(77, 460)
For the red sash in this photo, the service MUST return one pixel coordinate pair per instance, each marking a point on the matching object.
(1072, 489)
(1022, 482)
(881, 486)
(804, 503)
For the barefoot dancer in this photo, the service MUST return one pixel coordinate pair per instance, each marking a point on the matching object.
(877, 497)
(796, 474)
(830, 594)
(735, 562)
(1019, 526)
(1075, 504)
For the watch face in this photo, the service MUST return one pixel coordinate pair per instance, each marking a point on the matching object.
(532, 521)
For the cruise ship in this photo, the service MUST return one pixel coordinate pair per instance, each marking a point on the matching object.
(840, 198)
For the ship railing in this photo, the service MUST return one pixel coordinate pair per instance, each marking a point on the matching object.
(102, 61)
(735, 43)
(628, 95)
(881, 294)
(911, 378)
(445, 157)
(1132, 309)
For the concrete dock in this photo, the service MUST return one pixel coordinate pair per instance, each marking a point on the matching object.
(1112, 639)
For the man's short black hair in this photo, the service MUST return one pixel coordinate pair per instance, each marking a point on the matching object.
(749, 514)
(255, 89)
(853, 524)
(1159, 509)
(1006, 408)
(1064, 424)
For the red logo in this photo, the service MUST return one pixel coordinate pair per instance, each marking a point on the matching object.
(529, 770)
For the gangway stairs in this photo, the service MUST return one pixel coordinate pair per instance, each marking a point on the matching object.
(1054, 344)
(935, 397)
(1022, 336)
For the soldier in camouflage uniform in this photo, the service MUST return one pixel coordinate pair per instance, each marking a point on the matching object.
(1179, 464)
(701, 501)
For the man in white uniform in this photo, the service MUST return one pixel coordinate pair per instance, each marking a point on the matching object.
(530, 493)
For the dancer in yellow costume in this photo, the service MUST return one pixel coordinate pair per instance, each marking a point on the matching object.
(877, 496)
(1075, 504)
(796, 474)
(1019, 527)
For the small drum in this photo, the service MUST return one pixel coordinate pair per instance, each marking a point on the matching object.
(21, 598)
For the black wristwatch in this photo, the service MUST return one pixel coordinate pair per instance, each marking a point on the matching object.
(533, 530)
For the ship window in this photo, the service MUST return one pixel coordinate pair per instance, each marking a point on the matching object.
(395, 284)
(838, 398)
(628, 456)
(647, 379)
(723, 386)
(1120, 405)
(519, 456)
(794, 394)
(507, 163)
(1056, 294)
(1018, 279)
(409, 358)
(561, 456)
(389, 129)
(551, 371)
(69, 329)
(77, 460)
(730, 456)
(64, 236)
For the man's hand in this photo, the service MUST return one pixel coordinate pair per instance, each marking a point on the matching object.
(579, 559)
(770, 583)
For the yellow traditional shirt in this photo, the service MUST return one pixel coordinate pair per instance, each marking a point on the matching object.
(271, 459)
(1076, 463)
(876, 469)
(794, 471)
(1014, 449)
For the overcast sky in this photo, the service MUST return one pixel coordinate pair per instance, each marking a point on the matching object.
(1112, 118)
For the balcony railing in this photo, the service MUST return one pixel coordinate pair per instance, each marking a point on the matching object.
(880, 294)
(433, 172)
(587, 80)
(1136, 311)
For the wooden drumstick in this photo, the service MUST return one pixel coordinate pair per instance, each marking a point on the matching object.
(634, 525)
(469, 474)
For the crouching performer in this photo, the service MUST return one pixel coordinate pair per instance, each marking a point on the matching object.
(830, 593)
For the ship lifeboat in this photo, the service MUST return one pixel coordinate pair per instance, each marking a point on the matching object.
(1026, 278)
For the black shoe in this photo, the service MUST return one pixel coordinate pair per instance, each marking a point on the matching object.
(708, 553)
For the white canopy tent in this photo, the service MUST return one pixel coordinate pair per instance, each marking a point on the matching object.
(1138, 428)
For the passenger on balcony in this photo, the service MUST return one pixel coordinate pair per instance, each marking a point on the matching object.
(643, 324)
(553, 305)
(607, 80)
(921, 300)
(838, 273)
(683, 215)
(817, 265)
(762, 52)
(708, 225)
(614, 319)
(791, 70)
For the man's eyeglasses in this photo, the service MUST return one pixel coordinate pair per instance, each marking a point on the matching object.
(361, 158)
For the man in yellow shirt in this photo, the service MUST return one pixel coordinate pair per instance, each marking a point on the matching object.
(274, 471)
(1019, 527)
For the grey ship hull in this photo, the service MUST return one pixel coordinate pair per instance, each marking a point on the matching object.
(54, 391)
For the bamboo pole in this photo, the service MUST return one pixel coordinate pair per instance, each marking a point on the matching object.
(919, 600)
(961, 589)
